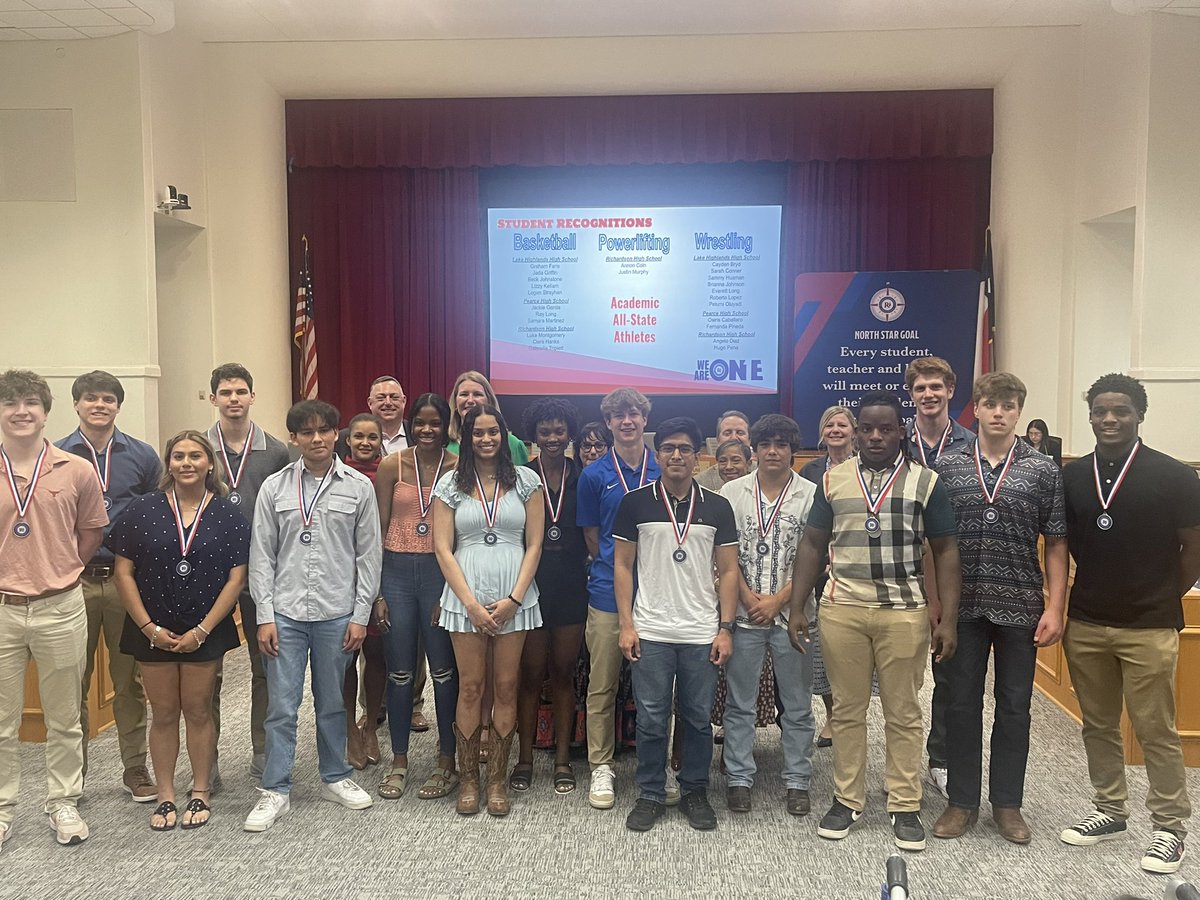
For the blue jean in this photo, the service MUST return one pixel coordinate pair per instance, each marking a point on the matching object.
(299, 644)
(966, 671)
(412, 584)
(663, 671)
(793, 678)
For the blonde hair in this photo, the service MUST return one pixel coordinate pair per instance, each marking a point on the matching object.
(829, 414)
(456, 419)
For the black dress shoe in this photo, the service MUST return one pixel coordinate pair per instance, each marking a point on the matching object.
(737, 798)
(644, 814)
(797, 802)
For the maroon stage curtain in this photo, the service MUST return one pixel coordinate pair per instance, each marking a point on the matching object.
(617, 131)
(388, 193)
(396, 265)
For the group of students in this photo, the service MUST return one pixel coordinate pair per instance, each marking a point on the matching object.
(839, 581)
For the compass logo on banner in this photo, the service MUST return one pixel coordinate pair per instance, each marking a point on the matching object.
(888, 304)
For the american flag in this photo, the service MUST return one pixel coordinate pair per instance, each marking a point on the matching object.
(304, 331)
(985, 333)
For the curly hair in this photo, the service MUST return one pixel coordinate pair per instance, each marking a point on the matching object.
(1115, 383)
(551, 409)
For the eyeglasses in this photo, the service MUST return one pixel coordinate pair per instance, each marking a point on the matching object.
(593, 445)
(671, 449)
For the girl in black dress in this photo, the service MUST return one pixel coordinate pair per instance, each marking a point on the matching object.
(181, 559)
(562, 580)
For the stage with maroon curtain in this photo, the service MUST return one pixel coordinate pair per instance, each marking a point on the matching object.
(388, 193)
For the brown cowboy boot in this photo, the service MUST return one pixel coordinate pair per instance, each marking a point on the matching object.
(468, 772)
(497, 773)
(355, 754)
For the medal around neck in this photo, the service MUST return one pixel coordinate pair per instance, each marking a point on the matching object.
(1105, 521)
(490, 508)
(873, 525)
(680, 531)
(422, 503)
(186, 536)
(22, 529)
(554, 510)
(766, 522)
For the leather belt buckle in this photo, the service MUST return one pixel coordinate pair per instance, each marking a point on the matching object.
(100, 573)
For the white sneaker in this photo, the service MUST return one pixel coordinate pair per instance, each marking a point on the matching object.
(347, 793)
(939, 778)
(67, 826)
(602, 794)
(672, 790)
(270, 806)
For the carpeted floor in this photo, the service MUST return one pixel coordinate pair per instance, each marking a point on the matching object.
(557, 846)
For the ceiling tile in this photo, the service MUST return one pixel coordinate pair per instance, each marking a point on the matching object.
(98, 31)
(132, 16)
(56, 34)
(112, 4)
(60, 4)
(15, 34)
(27, 19)
(77, 17)
(6, 5)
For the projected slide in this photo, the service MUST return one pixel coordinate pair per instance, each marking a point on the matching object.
(680, 300)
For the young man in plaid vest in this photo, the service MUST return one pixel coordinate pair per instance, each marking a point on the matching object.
(873, 514)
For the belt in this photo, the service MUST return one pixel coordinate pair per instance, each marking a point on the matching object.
(98, 573)
(22, 600)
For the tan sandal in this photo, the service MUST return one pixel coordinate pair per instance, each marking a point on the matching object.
(392, 786)
(439, 784)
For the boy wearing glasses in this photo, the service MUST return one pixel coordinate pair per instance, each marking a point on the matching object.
(674, 627)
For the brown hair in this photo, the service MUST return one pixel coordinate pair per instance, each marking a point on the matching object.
(213, 481)
(17, 384)
(930, 367)
(999, 386)
(624, 398)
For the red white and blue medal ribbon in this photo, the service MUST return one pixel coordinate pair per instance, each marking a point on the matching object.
(308, 510)
(765, 526)
(937, 454)
(235, 478)
(186, 535)
(874, 504)
(422, 503)
(681, 533)
(1104, 521)
(21, 529)
(617, 465)
(991, 515)
(102, 472)
(554, 510)
(489, 510)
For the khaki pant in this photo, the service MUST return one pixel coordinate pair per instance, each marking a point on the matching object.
(53, 633)
(1137, 666)
(601, 634)
(895, 642)
(106, 613)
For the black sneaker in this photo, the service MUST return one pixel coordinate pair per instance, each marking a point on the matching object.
(698, 810)
(644, 814)
(1164, 854)
(908, 831)
(1092, 830)
(836, 823)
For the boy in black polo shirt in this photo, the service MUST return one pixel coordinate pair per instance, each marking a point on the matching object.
(1133, 527)
(674, 632)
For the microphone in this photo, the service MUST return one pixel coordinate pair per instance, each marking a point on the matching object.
(1178, 889)
(897, 879)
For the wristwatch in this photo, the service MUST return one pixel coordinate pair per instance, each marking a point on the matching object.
(727, 626)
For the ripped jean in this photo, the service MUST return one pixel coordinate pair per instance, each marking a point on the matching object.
(412, 585)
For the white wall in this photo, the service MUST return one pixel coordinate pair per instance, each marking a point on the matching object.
(77, 290)
(1090, 121)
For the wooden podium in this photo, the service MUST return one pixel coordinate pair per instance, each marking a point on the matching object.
(100, 696)
(1053, 679)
